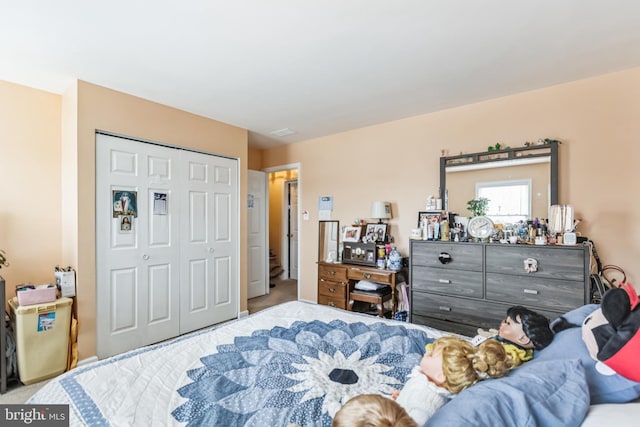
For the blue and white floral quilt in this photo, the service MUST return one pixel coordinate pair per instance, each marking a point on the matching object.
(296, 363)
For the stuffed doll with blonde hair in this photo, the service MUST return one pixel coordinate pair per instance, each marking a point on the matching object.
(450, 365)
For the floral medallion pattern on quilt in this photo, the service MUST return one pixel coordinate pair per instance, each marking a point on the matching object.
(298, 375)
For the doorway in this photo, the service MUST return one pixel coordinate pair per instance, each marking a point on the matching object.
(283, 217)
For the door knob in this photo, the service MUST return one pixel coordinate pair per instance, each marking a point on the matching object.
(145, 257)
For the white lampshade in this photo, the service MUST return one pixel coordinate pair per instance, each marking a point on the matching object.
(380, 210)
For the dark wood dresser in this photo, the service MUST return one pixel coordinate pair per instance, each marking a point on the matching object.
(460, 287)
(336, 282)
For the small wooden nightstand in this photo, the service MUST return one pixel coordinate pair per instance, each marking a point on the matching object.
(336, 283)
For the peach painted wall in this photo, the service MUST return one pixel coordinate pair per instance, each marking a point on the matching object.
(596, 119)
(30, 202)
(254, 158)
(108, 110)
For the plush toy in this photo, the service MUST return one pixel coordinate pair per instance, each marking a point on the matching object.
(612, 332)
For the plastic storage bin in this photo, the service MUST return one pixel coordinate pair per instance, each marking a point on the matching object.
(42, 338)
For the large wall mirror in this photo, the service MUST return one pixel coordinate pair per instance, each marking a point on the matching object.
(328, 235)
(524, 180)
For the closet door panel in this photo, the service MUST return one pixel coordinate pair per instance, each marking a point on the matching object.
(137, 260)
(211, 295)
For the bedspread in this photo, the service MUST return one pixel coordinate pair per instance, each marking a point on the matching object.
(295, 363)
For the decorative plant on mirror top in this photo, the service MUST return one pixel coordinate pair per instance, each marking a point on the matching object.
(479, 206)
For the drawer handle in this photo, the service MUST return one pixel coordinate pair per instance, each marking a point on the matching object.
(444, 308)
(530, 265)
(332, 273)
(444, 281)
(331, 304)
(332, 289)
(531, 291)
(367, 275)
(445, 258)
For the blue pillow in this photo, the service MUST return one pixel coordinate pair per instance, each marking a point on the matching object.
(550, 393)
(605, 386)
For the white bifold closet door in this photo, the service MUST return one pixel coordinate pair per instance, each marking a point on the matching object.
(176, 269)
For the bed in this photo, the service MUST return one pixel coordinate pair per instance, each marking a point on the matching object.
(296, 364)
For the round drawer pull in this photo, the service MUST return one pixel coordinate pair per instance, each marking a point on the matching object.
(367, 276)
(332, 289)
(331, 304)
(331, 273)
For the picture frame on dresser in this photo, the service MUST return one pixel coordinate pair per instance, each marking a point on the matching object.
(351, 234)
(376, 232)
(429, 217)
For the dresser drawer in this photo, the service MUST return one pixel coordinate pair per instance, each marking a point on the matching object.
(478, 314)
(332, 301)
(463, 256)
(553, 262)
(447, 281)
(443, 325)
(332, 289)
(560, 295)
(332, 272)
(377, 276)
(481, 314)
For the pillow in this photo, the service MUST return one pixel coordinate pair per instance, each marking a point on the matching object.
(605, 386)
(529, 396)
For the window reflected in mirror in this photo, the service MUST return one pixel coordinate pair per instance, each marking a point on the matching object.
(463, 186)
(509, 201)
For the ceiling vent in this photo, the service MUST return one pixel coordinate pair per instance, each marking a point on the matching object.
(283, 132)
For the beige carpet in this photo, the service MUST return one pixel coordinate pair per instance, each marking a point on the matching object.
(19, 393)
(284, 291)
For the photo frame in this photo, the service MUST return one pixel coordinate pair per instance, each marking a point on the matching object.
(429, 217)
(351, 234)
(375, 232)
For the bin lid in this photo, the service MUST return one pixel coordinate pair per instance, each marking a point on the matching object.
(39, 308)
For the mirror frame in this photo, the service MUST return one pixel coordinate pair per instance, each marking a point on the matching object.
(322, 251)
(498, 158)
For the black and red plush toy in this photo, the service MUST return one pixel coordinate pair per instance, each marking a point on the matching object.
(612, 332)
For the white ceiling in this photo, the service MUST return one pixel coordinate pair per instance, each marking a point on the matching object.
(319, 67)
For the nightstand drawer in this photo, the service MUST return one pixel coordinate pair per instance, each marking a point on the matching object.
(332, 302)
(560, 295)
(378, 276)
(447, 281)
(553, 262)
(332, 272)
(458, 256)
(332, 288)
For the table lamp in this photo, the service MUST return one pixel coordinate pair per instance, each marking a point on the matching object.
(380, 210)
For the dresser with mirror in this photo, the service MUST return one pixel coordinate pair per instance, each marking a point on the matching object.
(460, 287)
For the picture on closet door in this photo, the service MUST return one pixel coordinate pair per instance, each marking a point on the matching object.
(126, 223)
(125, 203)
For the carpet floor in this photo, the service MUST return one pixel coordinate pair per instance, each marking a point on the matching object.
(284, 290)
